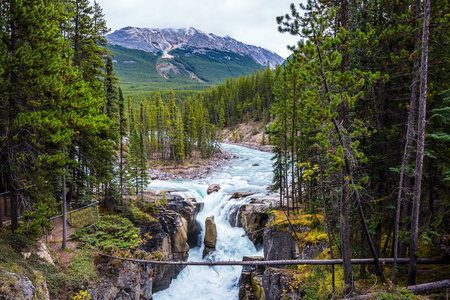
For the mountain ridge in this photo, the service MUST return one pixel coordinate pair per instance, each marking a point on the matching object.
(192, 40)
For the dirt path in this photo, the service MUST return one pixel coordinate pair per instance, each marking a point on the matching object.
(56, 234)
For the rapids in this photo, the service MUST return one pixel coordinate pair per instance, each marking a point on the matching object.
(249, 170)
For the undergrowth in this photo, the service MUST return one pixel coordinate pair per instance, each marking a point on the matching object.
(111, 230)
(60, 284)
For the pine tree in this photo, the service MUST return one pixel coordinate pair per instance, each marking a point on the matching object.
(122, 131)
(179, 141)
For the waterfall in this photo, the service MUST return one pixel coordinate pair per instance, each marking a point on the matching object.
(251, 170)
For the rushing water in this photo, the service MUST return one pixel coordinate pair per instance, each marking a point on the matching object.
(250, 171)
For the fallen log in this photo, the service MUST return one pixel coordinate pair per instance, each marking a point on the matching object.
(437, 285)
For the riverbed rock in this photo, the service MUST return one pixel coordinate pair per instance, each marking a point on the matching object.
(253, 218)
(188, 208)
(213, 188)
(210, 235)
(238, 195)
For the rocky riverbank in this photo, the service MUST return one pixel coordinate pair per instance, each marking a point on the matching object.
(194, 168)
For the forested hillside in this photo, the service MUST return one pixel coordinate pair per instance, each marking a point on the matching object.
(141, 72)
(67, 132)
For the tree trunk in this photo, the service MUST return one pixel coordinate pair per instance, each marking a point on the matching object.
(327, 222)
(293, 148)
(13, 102)
(345, 196)
(121, 164)
(420, 147)
(64, 213)
(408, 144)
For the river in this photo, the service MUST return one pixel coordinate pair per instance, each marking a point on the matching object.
(249, 170)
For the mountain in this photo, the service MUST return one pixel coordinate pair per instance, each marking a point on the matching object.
(166, 40)
(155, 59)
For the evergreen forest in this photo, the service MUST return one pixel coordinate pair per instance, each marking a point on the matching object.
(358, 118)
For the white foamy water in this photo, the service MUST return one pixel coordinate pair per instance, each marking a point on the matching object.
(221, 282)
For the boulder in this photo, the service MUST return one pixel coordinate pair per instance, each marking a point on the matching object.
(213, 188)
(13, 286)
(180, 247)
(16, 287)
(312, 250)
(238, 195)
(210, 236)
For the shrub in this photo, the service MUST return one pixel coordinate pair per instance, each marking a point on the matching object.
(110, 230)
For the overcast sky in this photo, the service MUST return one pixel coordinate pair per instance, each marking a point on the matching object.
(249, 21)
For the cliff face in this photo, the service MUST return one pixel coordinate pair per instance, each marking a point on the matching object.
(297, 239)
(165, 40)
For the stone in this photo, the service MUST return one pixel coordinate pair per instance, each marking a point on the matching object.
(238, 195)
(210, 235)
(251, 280)
(279, 244)
(42, 292)
(213, 188)
(42, 251)
(189, 208)
(253, 218)
(15, 287)
(124, 280)
(311, 251)
(276, 283)
(179, 240)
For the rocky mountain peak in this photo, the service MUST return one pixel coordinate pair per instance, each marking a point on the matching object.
(164, 40)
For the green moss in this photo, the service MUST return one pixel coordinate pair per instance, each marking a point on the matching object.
(257, 289)
(300, 219)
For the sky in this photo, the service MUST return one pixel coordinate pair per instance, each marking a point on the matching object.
(249, 21)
